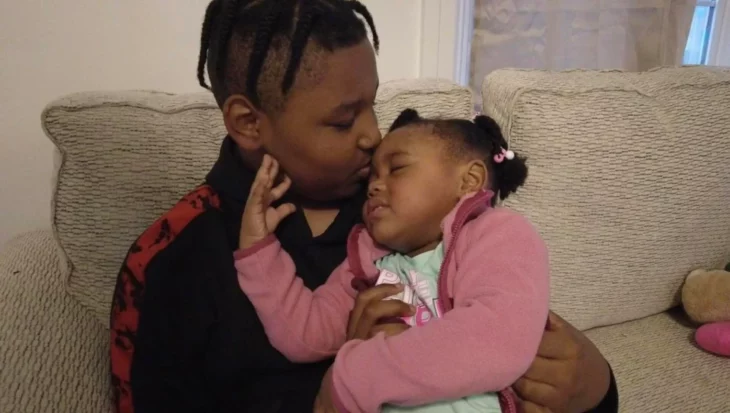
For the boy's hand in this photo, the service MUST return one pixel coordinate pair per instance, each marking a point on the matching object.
(259, 218)
(568, 375)
(324, 403)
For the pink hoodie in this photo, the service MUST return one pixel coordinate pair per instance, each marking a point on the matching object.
(496, 274)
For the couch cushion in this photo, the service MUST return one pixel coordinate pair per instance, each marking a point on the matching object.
(129, 156)
(54, 356)
(658, 368)
(628, 182)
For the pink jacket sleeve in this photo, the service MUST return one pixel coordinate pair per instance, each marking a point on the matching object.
(304, 326)
(484, 344)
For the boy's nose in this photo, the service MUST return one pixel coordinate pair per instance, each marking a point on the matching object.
(369, 141)
(371, 137)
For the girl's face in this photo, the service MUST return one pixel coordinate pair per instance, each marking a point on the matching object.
(325, 134)
(415, 183)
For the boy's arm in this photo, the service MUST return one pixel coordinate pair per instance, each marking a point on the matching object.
(483, 345)
(167, 372)
(303, 325)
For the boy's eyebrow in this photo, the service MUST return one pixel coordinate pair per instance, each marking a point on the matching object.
(345, 107)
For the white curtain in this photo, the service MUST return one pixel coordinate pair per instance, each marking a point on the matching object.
(565, 34)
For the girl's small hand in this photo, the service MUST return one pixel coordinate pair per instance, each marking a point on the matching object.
(259, 218)
(371, 307)
(323, 403)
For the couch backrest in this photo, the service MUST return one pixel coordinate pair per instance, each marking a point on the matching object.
(629, 180)
(126, 157)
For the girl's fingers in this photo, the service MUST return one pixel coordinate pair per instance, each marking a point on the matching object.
(262, 175)
(364, 298)
(378, 310)
(273, 172)
(390, 329)
(281, 189)
(283, 211)
(257, 200)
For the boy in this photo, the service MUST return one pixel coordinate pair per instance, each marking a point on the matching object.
(295, 79)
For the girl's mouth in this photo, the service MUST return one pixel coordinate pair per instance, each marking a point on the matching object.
(376, 207)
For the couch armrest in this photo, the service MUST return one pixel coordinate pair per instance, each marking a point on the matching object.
(53, 353)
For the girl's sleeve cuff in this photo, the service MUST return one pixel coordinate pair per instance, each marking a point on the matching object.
(246, 252)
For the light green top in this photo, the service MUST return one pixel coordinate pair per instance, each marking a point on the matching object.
(420, 275)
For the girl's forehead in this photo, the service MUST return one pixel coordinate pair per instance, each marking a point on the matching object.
(409, 140)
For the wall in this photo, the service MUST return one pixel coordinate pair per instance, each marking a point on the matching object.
(51, 48)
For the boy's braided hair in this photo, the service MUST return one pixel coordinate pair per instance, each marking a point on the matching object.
(257, 47)
(482, 137)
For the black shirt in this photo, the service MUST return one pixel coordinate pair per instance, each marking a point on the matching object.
(184, 336)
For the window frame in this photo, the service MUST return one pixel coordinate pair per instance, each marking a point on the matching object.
(719, 48)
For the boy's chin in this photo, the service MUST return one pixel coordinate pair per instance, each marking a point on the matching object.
(347, 191)
(332, 195)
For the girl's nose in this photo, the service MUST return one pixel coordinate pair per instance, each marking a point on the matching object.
(374, 188)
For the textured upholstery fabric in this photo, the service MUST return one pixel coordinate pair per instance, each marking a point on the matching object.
(659, 369)
(53, 352)
(127, 157)
(628, 181)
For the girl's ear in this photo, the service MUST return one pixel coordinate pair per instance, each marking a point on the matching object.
(242, 120)
(474, 177)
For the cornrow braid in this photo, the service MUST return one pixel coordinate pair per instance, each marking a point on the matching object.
(239, 36)
(307, 18)
(261, 44)
(227, 16)
(363, 11)
(212, 10)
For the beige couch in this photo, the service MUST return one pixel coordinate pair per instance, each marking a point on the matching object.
(628, 185)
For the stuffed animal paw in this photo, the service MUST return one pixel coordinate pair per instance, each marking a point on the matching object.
(714, 338)
(706, 296)
(706, 299)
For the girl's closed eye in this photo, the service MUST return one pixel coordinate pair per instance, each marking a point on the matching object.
(398, 168)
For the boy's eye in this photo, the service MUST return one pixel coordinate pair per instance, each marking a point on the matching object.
(396, 168)
(343, 125)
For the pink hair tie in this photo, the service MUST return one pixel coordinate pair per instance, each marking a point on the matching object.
(504, 154)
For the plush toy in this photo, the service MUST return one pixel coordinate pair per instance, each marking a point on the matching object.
(706, 299)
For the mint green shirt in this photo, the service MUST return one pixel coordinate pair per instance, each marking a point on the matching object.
(420, 275)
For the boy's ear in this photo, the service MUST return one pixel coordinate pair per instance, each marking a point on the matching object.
(242, 120)
(474, 177)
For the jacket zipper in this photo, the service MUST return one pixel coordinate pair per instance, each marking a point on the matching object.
(459, 221)
(446, 303)
(509, 401)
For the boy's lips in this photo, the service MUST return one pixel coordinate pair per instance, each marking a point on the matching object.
(364, 172)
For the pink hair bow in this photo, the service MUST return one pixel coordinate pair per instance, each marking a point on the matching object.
(504, 154)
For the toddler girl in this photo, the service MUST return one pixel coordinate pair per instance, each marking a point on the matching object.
(476, 276)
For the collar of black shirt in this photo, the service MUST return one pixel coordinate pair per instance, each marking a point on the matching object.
(232, 180)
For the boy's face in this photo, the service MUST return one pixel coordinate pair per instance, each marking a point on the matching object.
(325, 134)
(415, 183)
